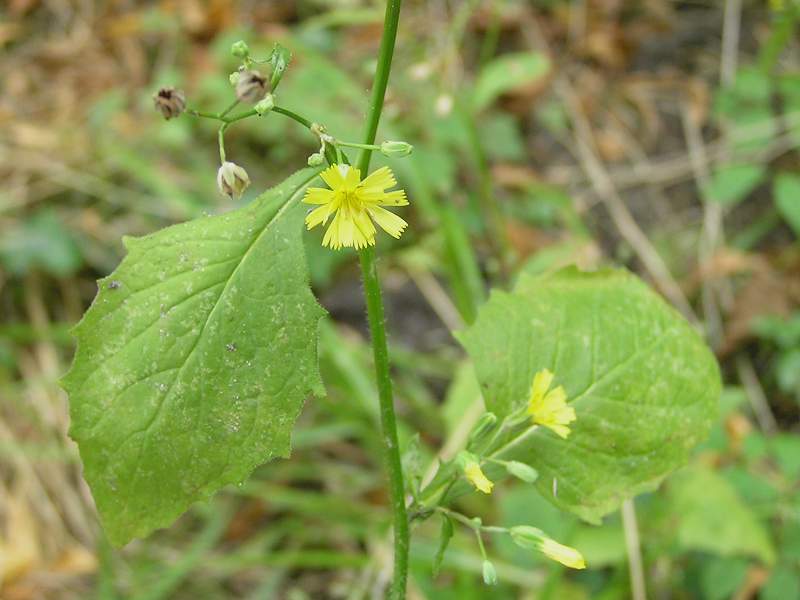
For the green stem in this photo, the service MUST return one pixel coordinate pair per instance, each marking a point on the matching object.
(221, 141)
(229, 109)
(355, 145)
(390, 21)
(393, 465)
(375, 315)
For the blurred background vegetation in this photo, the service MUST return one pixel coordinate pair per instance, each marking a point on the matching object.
(662, 135)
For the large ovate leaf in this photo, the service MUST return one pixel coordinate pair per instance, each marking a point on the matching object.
(194, 360)
(642, 382)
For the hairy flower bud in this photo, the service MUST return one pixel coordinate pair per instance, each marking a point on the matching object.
(396, 149)
(234, 78)
(232, 180)
(170, 102)
(251, 87)
(240, 49)
(265, 105)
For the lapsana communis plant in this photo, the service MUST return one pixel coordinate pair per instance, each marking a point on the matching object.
(200, 349)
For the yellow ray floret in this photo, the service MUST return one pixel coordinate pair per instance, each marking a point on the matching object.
(476, 477)
(356, 206)
(549, 407)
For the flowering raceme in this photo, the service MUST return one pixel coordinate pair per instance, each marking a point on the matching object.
(354, 205)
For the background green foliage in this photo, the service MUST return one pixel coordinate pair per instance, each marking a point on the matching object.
(629, 100)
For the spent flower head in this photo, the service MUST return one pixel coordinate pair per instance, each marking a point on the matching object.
(354, 205)
(250, 87)
(549, 407)
(170, 102)
(232, 180)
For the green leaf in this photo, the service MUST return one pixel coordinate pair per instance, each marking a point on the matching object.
(713, 518)
(730, 184)
(194, 360)
(720, 578)
(783, 584)
(787, 199)
(642, 382)
(444, 540)
(506, 73)
(279, 60)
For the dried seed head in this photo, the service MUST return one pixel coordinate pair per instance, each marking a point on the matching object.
(251, 87)
(232, 180)
(170, 102)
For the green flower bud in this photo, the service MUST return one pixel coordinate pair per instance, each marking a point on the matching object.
(396, 149)
(234, 78)
(483, 426)
(316, 159)
(265, 105)
(240, 49)
(522, 471)
(526, 536)
(489, 573)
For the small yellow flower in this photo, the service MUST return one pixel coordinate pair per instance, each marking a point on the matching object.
(549, 407)
(476, 477)
(355, 204)
(567, 556)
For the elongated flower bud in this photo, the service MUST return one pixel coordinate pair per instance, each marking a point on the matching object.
(232, 180)
(396, 149)
(489, 573)
(482, 428)
(170, 102)
(251, 87)
(531, 537)
(522, 471)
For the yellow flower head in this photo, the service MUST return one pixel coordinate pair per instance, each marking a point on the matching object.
(567, 556)
(549, 407)
(476, 477)
(354, 205)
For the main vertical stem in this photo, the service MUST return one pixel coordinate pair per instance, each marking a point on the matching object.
(375, 315)
(372, 293)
